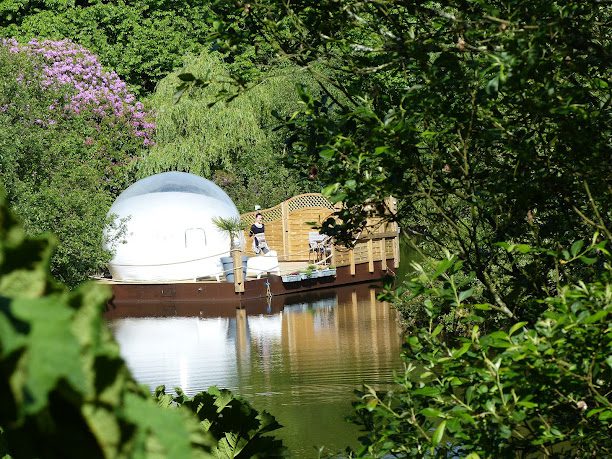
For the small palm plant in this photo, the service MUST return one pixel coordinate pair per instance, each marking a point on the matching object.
(233, 226)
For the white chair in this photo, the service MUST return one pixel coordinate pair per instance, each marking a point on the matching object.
(318, 246)
(262, 264)
(211, 265)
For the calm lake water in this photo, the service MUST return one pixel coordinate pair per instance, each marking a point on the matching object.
(300, 358)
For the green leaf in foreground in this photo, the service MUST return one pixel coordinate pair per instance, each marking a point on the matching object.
(65, 391)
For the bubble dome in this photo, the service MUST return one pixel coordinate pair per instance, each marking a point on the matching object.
(162, 229)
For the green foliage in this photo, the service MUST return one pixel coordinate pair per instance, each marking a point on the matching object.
(64, 388)
(233, 226)
(235, 143)
(442, 290)
(517, 392)
(239, 429)
(490, 122)
(437, 290)
(61, 171)
(23, 262)
(143, 41)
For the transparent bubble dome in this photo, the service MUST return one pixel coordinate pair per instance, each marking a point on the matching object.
(175, 182)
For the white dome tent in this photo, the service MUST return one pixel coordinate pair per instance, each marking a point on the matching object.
(166, 231)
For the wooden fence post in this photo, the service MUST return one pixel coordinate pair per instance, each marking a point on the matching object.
(238, 273)
(285, 223)
(396, 248)
(383, 254)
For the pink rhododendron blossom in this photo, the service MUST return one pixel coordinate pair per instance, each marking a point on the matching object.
(96, 90)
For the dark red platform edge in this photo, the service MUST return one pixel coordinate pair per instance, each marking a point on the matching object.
(222, 293)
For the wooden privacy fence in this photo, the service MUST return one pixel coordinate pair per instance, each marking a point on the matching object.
(289, 223)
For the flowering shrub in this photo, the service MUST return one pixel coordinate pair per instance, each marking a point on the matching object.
(70, 135)
(97, 91)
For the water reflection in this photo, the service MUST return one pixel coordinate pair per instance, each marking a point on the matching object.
(301, 361)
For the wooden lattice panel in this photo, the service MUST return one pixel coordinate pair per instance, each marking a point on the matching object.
(342, 258)
(309, 200)
(361, 253)
(376, 251)
(269, 215)
(389, 248)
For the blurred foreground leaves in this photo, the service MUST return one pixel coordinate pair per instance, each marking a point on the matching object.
(64, 389)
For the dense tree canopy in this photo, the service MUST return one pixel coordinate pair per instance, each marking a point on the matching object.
(490, 121)
(239, 144)
(142, 41)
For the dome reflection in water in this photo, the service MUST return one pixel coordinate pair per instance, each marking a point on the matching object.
(298, 357)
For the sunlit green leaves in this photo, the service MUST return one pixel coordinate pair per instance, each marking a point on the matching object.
(173, 433)
(49, 355)
(237, 143)
(438, 434)
(238, 428)
(482, 127)
(431, 412)
(527, 388)
(33, 252)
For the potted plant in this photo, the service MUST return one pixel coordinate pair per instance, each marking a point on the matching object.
(233, 226)
(328, 271)
(310, 272)
(292, 277)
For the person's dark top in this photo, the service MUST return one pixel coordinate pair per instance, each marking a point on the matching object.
(259, 238)
(256, 229)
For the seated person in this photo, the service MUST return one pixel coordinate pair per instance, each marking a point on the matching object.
(259, 238)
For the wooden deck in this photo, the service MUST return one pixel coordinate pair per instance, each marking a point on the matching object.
(286, 267)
